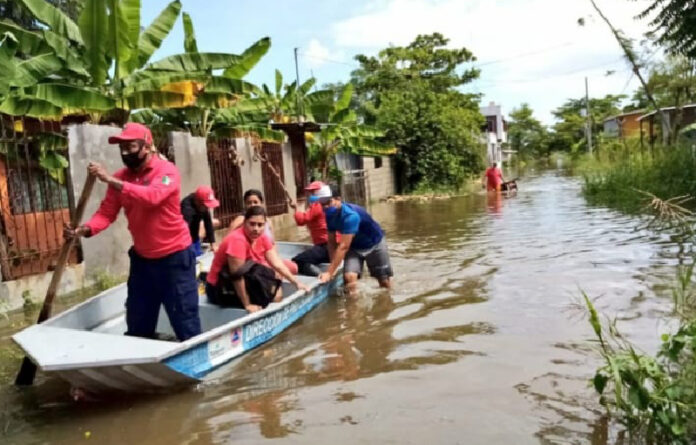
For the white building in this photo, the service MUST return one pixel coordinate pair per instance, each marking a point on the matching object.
(495, 133)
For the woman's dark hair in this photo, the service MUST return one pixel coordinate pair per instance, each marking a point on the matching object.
(253, 192)
(254, 211)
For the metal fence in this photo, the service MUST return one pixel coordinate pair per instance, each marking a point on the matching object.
(354, 186)
(34, 205)
(272, 188)
(226, 179)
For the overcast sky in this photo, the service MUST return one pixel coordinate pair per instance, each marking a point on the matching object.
(530, 51)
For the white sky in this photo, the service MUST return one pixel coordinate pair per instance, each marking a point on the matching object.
(528, 50)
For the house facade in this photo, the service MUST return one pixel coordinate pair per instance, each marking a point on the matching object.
(494, 132)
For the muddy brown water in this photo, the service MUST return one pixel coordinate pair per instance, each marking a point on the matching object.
(478, 343)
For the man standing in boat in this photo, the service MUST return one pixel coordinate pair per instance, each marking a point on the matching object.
(362, 241)
(163, 262)
(313, 217)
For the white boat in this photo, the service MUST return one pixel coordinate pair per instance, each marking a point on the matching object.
(85, 345)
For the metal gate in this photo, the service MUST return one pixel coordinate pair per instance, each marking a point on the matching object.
(272, 188)
(34, 205)
(354, 187)
(226, 179)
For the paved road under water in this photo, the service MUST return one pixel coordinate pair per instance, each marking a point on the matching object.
(479, 342)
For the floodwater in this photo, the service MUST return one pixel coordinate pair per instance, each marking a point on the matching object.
(480, 342)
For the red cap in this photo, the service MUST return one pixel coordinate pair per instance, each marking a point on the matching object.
(132, 132)
(205, 195)
(316, 185)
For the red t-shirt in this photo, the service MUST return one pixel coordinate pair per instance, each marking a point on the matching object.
(494, 176)
(150, 200)
(316, 223)
(237, 245)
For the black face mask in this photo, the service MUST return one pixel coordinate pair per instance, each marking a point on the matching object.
(133, 160)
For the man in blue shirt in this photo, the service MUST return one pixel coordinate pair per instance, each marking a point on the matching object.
(362, 241)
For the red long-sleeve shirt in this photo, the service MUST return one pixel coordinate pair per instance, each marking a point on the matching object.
(150, 200)
(315, 221)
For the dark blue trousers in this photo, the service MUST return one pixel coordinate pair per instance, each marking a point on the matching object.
(169, 281)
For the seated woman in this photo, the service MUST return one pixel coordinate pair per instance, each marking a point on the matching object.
(253, 197)
(246, 261)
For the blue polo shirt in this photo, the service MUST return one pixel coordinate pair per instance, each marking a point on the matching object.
(354, 220)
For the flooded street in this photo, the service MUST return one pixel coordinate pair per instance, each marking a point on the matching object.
(479, 343)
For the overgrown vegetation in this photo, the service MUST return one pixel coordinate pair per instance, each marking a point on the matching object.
(411, 94)
(654, 396)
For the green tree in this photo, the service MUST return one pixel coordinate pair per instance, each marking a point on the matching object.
(569, 130)
(673, 22)
(526, 134)
(411, 93)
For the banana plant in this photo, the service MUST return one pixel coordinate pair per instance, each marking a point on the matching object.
(111, 53)
(24, 73)
(183, 75)
(341, 132)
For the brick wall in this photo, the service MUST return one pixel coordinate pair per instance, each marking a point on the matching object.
(380, 180)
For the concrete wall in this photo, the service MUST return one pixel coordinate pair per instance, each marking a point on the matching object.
(289, 170)
(33, 287)
(250, 170)
(381, 182)
(106, 252)
(191, 157)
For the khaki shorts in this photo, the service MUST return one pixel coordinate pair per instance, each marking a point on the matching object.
(376, 257)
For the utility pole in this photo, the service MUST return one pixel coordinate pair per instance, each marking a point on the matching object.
(297, 89)
(588, 124)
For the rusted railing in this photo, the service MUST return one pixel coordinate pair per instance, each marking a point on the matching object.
(272, 189)
(34, 205)
(354, 187)
(226, 179)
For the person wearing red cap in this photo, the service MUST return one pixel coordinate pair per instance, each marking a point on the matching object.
(196, 210)
(163, 262)
(308, 261)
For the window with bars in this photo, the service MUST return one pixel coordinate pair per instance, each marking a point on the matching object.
(33, 190)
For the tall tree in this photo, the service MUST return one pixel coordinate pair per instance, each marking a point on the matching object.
(569, 130)
(525, 133)
(673, 22)
(411, 93)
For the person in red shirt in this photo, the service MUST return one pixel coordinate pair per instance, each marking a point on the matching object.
(163, 262)
(308, 261)
(241, 249)
(493, 178)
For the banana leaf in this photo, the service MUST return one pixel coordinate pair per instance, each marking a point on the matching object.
(131, 14)
(93, 23)
(54, 18)
(195, 62)
(72, 97)
(30, 42)
(156, 99)
(61, 48)
(151, 39)
(249, 58)
(29, 72)
(119, 47)
(190, 44)
(16, 105)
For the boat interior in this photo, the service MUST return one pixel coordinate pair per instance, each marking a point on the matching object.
(106, 314)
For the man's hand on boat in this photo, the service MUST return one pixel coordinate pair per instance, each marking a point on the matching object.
(324, 277)
(70, 233)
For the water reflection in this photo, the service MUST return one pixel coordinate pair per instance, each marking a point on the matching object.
(475, 344)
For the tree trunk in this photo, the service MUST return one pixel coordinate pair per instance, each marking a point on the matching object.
(628, 52)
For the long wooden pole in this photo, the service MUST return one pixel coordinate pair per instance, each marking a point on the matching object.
(27, 372)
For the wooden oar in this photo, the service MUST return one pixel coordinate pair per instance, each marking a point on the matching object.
(27, 372)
